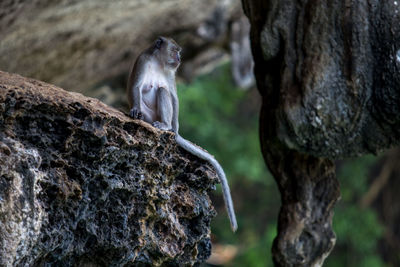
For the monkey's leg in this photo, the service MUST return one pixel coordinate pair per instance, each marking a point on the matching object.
(164, 109)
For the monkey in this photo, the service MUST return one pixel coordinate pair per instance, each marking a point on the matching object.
(152, 97)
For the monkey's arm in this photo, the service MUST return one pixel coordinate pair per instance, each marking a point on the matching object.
(134, 89)
(137, 97)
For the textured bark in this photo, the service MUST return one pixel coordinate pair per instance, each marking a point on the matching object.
(82, 184)
(329, 76)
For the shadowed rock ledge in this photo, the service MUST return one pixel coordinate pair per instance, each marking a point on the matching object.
(83, 184)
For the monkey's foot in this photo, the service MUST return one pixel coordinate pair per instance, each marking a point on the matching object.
(136, 114)
(161, 126)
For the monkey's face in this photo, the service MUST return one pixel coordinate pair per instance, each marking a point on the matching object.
(169, 51)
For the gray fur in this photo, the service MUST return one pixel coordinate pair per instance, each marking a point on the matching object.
(153, 97)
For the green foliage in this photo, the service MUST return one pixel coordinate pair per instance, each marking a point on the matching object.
(358, 230)
(224, 120)
(353, 176)
(258, 252)
(210, 115)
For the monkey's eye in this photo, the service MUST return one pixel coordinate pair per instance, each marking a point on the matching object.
(159, 42)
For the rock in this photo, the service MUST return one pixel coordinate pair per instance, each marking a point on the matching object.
(81, 44)
(242, 59)
(328, 73)
(82, 184)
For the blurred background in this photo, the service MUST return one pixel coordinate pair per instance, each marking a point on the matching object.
(89, 47)
(366, 220)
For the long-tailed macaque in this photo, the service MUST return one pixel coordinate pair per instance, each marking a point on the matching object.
(153, 98)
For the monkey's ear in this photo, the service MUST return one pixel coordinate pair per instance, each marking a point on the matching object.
(159, 42)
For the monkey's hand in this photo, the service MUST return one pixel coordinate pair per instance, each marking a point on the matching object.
(136, 114)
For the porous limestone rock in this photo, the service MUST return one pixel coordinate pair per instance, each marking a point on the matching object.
(82, 184)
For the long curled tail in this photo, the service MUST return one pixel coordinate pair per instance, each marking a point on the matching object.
(188, 146)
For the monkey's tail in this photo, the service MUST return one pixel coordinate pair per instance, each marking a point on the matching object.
(190, 147)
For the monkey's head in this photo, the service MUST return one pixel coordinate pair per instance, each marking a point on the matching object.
(168, 51)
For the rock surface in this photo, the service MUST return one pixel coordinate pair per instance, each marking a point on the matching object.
(329, 76)
(80, 44)
(82, 184)
(330, 73)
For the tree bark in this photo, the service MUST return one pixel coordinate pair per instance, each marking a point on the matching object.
(329, 76)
